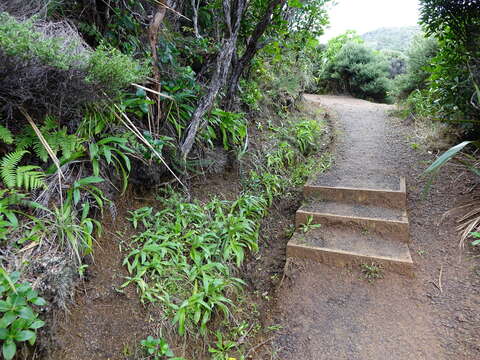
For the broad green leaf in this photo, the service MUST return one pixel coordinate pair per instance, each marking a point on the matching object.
(27, 313)
(37, 324)
(90, 180)
(7, 319)
(38, 301)
(9, 349)
(4, 306)
(447, 155)
(24, 335)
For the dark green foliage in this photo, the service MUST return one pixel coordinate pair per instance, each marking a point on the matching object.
(81, 99)
(50, 76)
(337, 43)
(184, 251)
(394, 38)
(359, 71)
(456, 68)
(61, 143)
(397, 62)
(19, 322)
(158, 349)
(419, 63)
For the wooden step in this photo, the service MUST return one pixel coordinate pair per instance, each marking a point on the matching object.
(385, 195)
(342, 245)
(391, 223)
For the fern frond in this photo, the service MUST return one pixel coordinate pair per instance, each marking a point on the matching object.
(40, 150)
(69, 144)
(30, 178)
(8, 167)
(25, 139)
(5, 135)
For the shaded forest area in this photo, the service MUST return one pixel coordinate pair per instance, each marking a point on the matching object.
(107, 98)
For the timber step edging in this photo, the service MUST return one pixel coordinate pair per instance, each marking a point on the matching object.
(389, 228)
(396, 199)
(350, 245)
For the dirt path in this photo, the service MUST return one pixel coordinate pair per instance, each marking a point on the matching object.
(334, 313)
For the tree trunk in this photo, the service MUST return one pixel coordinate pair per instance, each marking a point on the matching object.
(195, 6)
(253, 46)
(224, 60)
(153, 39)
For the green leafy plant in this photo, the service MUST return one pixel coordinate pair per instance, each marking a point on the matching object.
(10, 203)
(251, 94)
(5, 135)
(28, 177)
(56, 137)
(222, 347)
(309, 226)
(107, 65)
(158, 143)
(306, 135)
(372, 271)
(185, 251)
(158, 349)
(19, 322)
(113, 151)
(284, 156)
(271, 185)
(86, 185)
(357, 70)
(75, 232)
(232, 128)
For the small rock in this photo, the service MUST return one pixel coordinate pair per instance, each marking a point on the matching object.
(461, 318)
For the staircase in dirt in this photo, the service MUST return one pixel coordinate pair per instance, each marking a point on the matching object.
(357, 224)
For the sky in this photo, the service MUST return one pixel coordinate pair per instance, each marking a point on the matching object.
(367, 15)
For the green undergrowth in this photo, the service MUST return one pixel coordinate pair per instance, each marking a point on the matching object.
(184, 256)
(187, 256)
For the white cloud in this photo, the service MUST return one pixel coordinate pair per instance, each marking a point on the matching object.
(367, 15)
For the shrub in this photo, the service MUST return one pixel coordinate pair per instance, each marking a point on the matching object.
(359, 71)
(419, 62)
(113, 70)
(50, 75)
(397, 62)
(456, 68)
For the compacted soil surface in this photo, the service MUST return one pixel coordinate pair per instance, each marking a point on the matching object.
(336, 313)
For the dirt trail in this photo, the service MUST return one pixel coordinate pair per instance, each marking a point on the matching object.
(334, 313)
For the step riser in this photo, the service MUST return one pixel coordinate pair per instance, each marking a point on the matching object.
(397, 230)
(390, 199)
(342, 259)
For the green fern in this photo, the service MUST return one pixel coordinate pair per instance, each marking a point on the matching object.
(8, 167)
(5, 135)
(29, 177)
(56, 137)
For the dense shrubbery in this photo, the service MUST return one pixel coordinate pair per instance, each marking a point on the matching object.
(53, 76)
(419, 61)
(397, 62)
(455, 70)
(357, 70)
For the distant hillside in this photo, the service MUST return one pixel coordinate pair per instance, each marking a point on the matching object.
(394, 38)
